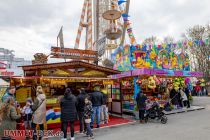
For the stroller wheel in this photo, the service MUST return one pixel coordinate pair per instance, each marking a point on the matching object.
(164, 120)
(146, 119)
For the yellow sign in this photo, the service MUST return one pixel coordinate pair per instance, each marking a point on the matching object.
(23, 93)
(93, 73)
(108, 82)
(58, 82)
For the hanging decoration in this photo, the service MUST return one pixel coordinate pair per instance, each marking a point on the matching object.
(121, 2)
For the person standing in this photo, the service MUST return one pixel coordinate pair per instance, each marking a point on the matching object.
(198, 90)
(187, 92)
(183, 97)
(180, 99)
(141, 102)
(39, 112)
(104, 108)
(9, 93)
(68, 106)
(80, 109)
(97, 100)
(174, 97)
(88, 110)
(9, 115)
(27, 115)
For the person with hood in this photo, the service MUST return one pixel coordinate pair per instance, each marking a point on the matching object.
(141, 102)
(97, 100)
(39, 112)
(9, 115)
(68, 106)
(10, 93)
(80, 109)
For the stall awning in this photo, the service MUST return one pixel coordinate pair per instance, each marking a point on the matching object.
(3, 83)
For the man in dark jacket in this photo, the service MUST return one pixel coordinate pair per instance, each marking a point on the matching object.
(68, 112)
(141, 102)
(80, 108)
(174, 96)
(97, 100)
(187, 92)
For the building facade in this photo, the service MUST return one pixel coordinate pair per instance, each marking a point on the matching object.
(8, 58)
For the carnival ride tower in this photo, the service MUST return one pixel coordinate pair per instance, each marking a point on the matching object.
(105, 27)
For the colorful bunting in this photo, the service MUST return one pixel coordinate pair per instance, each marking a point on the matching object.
(180, 44)
(207, 41)
(125, 15)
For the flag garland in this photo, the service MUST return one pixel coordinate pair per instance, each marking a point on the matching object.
(175, 45)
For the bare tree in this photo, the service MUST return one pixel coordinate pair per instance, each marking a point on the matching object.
(151, 40)
(200, 50)
(168, 40)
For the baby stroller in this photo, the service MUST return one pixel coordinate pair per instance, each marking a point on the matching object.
(156, 112)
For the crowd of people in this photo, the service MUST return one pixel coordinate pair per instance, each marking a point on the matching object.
(199, 91)
(85, 107)
(178, 98)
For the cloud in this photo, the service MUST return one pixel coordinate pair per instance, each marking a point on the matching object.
(31, 26)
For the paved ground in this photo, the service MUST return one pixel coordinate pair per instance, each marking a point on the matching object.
(193, 125)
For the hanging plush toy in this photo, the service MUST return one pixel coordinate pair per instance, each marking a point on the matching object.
(188, 83)
(139, 82)
(202, 82)
(151, 84)
(157, 81)
(178, 83)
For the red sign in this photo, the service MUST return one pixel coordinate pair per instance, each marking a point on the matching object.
(6, 73)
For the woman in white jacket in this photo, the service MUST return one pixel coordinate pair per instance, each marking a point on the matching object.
(183, 97)
(39, 109)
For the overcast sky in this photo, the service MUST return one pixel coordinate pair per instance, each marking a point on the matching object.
(31, 26)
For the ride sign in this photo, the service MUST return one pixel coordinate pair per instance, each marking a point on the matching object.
(74, 54)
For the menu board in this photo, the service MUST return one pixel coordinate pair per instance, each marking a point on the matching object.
(23, 93)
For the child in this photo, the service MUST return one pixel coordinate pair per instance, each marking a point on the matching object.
(88, 110)
(27, 114)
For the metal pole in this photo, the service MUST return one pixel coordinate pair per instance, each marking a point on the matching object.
(125, 23)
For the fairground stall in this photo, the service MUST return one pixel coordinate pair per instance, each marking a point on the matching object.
(55, 78)
(150, 69)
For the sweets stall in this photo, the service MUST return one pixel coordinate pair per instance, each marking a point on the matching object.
(54, 78)
(149, 70)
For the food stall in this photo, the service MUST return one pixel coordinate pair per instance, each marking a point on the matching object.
(55, 78)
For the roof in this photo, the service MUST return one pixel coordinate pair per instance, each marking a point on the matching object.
(69, 65)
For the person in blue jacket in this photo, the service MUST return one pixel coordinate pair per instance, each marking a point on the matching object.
(10, 93)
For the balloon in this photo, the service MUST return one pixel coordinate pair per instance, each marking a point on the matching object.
(207, 41)
(190, 43)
